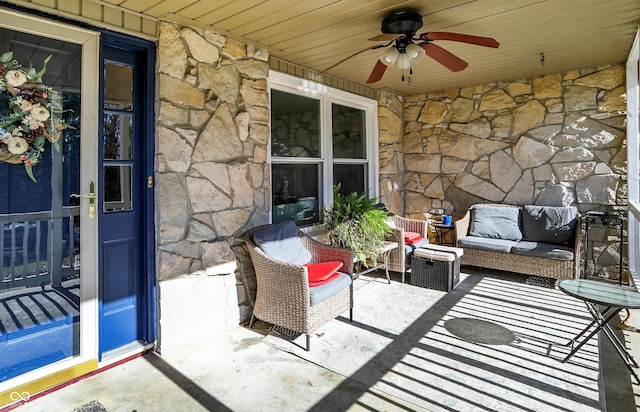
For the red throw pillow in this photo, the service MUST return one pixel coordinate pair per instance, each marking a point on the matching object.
(321, 273)
(411, 237)
(322, 282)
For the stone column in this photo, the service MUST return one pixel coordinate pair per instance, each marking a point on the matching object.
(212, 178)
(391, 162)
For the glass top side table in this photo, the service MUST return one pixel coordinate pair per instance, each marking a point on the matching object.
(384, 264)
(614, 298)
(601, 293)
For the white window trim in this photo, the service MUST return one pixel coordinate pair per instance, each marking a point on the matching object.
(327, 96)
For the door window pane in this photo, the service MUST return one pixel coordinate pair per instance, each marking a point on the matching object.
(351, 177)
(349, 136)
(117, 188)
(118, 90)
(117, 136)
(295, 193)
(295, 125)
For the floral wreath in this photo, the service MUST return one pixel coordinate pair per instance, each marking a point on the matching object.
(29, 113)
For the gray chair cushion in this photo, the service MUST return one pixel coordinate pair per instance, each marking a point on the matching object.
(485, 243)
(549, 224)
(496, 222)
(545, 250)
(323, 292)
(280, 241)
(408, 251)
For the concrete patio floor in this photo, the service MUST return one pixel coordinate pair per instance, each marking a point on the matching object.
(232, 370)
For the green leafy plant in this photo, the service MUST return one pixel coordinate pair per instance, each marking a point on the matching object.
(353, 221)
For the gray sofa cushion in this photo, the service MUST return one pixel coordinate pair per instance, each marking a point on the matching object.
(496, 222)
(545, 250)
(549, 224)
(323, 292)
(485, 243)
(280, 241)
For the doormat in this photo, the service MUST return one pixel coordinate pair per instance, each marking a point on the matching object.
(541, 281)
(93, 406)
(284, 332)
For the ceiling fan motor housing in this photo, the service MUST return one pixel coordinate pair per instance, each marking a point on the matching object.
(402, 22)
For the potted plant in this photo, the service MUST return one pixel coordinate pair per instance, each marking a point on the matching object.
(355, 222)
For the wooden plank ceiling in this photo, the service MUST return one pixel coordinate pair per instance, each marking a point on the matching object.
(572, 34)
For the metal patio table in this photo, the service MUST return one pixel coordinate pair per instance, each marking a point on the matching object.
(384, 264)
(614, 298)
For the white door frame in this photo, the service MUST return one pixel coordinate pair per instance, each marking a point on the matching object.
(633, 158)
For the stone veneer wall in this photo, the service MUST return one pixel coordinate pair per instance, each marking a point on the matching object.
(554, 139)
(391, 158)
(211, 170)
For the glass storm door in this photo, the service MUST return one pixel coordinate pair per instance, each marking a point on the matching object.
(40, 129)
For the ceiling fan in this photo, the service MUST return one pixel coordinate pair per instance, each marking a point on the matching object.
(399, 31)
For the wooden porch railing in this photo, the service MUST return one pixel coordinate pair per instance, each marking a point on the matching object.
(38, 248)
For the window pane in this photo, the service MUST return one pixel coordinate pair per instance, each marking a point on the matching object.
(118, 91)
(351, 177)
(117, 136)
(349, 137)
(295, 193)
(295, 125)
(117, 188)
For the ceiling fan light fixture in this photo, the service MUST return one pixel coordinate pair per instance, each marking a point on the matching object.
(404, 61)
(389, 56)
(415, 52)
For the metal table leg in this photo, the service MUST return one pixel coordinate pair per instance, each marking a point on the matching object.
(592, 334)
(602, 320)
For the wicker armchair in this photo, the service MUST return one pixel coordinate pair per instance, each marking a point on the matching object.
(282, 296)
(397, 259)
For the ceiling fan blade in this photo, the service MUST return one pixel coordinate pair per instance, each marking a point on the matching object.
(377, 72)
(353, 55)
(386, 37)
(464, 38)
(448, 60)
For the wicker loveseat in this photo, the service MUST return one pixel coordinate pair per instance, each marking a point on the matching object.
(534, 240)
(284, 296)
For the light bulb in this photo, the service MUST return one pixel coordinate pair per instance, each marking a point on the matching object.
(415, 52)
(389, 56)
(404, 62)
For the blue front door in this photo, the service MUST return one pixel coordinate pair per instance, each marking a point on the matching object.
(124, 181)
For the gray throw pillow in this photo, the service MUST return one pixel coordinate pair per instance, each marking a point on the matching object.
(280, 241)
(549, 224)
(496, 222)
